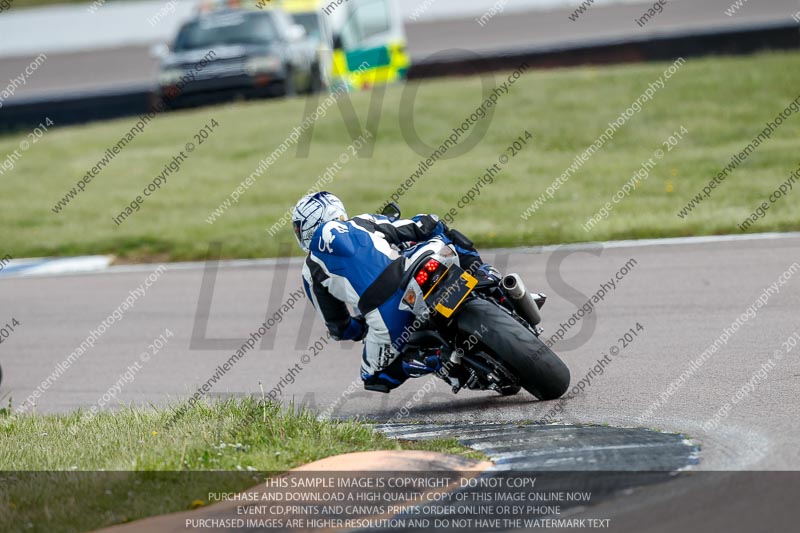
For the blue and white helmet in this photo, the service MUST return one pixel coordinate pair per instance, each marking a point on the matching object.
(311, 212)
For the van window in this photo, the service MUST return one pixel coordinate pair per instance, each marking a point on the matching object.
(366, 20)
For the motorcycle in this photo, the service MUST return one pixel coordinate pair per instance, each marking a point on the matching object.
(485, 331)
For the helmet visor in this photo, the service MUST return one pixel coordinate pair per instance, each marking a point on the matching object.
(298, 234)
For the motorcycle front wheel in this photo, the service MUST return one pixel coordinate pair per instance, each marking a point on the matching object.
(538, 370)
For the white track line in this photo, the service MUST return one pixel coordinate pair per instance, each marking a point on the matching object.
(667, 241)
(270, 262)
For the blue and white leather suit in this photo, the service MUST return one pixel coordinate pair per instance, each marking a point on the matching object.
(355, 263)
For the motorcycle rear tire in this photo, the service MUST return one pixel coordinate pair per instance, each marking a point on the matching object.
(538, 370)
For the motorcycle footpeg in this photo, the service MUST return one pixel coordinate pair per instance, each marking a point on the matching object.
(539, 298)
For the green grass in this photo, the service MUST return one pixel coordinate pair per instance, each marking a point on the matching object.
(21, 4)
(722, 101)
(123, 466)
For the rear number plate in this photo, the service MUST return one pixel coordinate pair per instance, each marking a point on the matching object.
(450, 292)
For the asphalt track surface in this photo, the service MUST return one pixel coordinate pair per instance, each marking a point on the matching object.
(132, 66)
(682, 293)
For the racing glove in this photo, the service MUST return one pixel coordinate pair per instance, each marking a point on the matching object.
(356, 330)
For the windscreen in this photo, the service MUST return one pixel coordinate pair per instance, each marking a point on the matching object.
(310, 21)
(234, 28)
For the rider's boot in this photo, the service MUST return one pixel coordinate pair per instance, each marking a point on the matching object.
(422, 365)
(404, 367)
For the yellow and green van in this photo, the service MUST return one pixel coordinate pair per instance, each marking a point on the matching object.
(369, 43)
(361, 43)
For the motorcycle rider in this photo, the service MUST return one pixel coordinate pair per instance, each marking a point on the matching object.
(357, 261)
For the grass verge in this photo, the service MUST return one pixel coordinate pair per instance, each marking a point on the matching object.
(123, 466)
(21, 4)
(723, 102)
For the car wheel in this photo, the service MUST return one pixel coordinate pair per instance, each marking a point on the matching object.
(315, 80)
(289, 88)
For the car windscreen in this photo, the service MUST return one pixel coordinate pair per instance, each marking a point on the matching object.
(310, 21)
(233, 28)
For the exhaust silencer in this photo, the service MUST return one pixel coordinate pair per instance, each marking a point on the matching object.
(521, 300)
